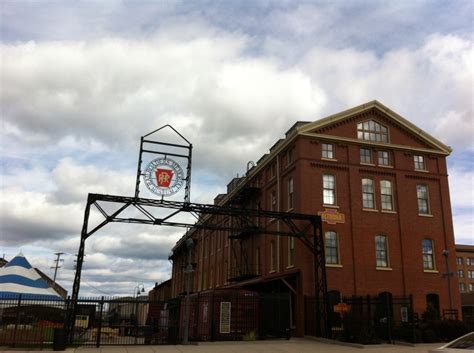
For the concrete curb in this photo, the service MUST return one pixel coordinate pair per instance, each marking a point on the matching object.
(335, 342)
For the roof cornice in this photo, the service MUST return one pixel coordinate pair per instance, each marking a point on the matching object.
(371, 143)
(382, 108)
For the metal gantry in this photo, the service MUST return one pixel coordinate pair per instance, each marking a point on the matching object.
(243, 219)
(305, 227)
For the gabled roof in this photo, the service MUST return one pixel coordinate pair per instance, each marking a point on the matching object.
(346, 114)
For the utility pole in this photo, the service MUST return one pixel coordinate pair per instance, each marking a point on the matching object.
(56, 266)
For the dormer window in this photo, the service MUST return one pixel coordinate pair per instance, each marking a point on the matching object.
(371, 130)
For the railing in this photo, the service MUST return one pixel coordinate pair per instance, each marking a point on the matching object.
(242, 273)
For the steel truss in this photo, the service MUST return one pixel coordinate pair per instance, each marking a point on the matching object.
(305, 227)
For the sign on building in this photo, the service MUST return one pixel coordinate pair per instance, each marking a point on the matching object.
(225, 317)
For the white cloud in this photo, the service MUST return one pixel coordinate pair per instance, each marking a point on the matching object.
(75, 181)
(28, 216)
(463, 227)
(430, 85)
(73, 110)
(461, 187)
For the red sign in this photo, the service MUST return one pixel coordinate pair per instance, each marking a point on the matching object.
(341, 308)
(163, 177)
(331, 216)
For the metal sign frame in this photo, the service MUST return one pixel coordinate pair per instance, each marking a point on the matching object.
(188, 147)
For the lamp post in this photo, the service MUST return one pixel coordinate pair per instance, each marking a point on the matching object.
(140, 288)
(187, 272)
(448, 275)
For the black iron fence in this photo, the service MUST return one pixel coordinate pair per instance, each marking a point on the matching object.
(368, 319)
(30, 322)
(213, 315)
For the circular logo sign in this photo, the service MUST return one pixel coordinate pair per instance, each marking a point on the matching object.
(163, 176)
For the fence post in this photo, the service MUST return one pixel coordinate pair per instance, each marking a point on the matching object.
(412, 317)
(17, 319)
(99, 327)
(388, 303)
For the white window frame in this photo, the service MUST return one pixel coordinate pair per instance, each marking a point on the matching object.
(426, 198)
(365, 158)
(419, 162)
(386, 192)
(328, 191)
(383, 156)
(327, 151)
(336, 247)
(291, 193)
(430, 255)
(368, 192)
(382, 259)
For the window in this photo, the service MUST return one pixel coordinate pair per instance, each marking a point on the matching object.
(462, 287)
(459, 260)
(384, 158)
(470, 274)
(331, 247)
(290, 192)
(372, 131)
(291, 251)
(428, 255)
(471, 287)
(368, 193)
(386, 195)
(460, 273)
(290, 155)
(329, 189)
(423, 201)
(273, 200)
(365, 156)
(470, 261)
(273, 170)
(328, 151)
(273, 255)
(419, 162)
(381, 251)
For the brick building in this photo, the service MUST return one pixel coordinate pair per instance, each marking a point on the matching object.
(465, 275)
(381, 186)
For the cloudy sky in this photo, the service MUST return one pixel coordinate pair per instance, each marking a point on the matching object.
(81, 81)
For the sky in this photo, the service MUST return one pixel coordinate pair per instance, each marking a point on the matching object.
(81, 81)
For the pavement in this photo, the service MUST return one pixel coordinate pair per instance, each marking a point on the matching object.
(295, 345)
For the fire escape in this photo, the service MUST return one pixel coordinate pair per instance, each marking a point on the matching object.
(242, 242)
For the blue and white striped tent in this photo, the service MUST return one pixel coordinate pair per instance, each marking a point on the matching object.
(18, 277)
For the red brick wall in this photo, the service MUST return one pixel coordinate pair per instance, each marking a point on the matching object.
(404, 227)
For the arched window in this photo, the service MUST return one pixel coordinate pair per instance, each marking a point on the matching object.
(371, 130)
(384, 307)
(432, 301)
